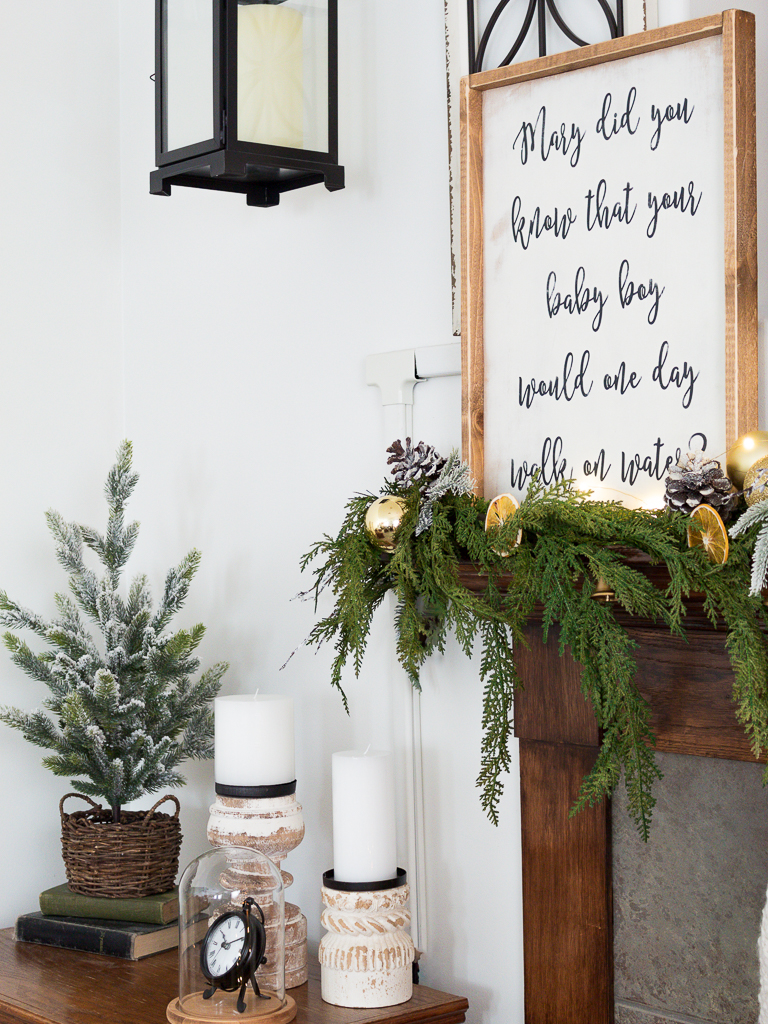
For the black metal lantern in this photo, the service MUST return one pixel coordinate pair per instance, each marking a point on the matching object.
(246, 96)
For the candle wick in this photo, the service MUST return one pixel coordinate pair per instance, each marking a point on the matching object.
(366, 749)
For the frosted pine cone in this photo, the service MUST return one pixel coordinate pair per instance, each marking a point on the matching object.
(698, 480)
(421, 463)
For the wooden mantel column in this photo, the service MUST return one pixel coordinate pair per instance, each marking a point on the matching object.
(567, 910)
(567, 894)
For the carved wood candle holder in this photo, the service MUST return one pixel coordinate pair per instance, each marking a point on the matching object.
(267, 819)
(366, 957)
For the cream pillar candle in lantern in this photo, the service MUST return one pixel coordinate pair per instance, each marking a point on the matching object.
(270, 86)
(254, 741)
(364, 832)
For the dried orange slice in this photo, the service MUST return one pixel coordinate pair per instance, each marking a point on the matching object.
(708, 531)
(501, 508)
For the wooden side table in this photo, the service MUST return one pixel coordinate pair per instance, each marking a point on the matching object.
(44, 985)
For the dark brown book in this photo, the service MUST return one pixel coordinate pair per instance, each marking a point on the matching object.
(131, 940)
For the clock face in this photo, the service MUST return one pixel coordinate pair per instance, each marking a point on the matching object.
(224, 944)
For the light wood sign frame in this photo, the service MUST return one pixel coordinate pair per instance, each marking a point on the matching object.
(587, 317)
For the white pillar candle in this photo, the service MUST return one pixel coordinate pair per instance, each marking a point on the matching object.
(254, 741)
(364, 833)
(270, 63)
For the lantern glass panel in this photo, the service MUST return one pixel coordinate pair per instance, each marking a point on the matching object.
(282, 74)
(188, 72)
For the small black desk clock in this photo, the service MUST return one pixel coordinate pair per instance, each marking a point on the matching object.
(233, 950)
(231, 941)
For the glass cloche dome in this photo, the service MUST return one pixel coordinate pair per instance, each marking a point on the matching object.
(231, 940)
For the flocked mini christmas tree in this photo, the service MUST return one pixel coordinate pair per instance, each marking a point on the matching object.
(123, 711)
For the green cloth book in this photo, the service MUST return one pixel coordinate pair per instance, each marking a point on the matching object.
(130, 940)
(60, 901)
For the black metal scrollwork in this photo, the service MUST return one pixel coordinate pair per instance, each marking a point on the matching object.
(540, 7)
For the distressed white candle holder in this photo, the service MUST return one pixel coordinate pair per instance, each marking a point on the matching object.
(267, 819)
(366, 957)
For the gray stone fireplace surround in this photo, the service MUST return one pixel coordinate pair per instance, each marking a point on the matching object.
(688, 904)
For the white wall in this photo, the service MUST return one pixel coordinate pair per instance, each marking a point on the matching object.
(244, 334)
(61, 382)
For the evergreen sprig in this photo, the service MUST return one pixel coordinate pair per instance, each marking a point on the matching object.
(124, 712)
(569, 543)
(756, 514)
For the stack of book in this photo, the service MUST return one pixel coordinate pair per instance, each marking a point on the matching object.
(128, 928)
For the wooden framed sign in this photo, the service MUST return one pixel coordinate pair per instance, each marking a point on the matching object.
(609, 260)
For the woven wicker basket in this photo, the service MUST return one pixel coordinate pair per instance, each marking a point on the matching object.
(137, 857)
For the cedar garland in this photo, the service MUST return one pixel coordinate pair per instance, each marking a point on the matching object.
(569, 543)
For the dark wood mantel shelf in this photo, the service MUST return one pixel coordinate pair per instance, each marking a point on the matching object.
(567, 894)
(658, 574)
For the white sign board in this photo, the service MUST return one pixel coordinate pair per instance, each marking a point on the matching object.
(605, 310)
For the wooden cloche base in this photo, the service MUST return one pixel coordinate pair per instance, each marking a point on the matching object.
(278, 1015)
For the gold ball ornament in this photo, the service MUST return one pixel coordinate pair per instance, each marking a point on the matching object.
(744, 454)
(756, 482)
(382, 521)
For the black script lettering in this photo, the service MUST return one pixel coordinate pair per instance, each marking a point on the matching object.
(577, 302)
(620, 382)
(552, 467)
(557, 388)
(682, 200)
(597, 468)
(603, 213)
(602, 126)
(659, 115)
(681, 377)
(561, 140)
(650, 464)
(628, 290)
(523, 230)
